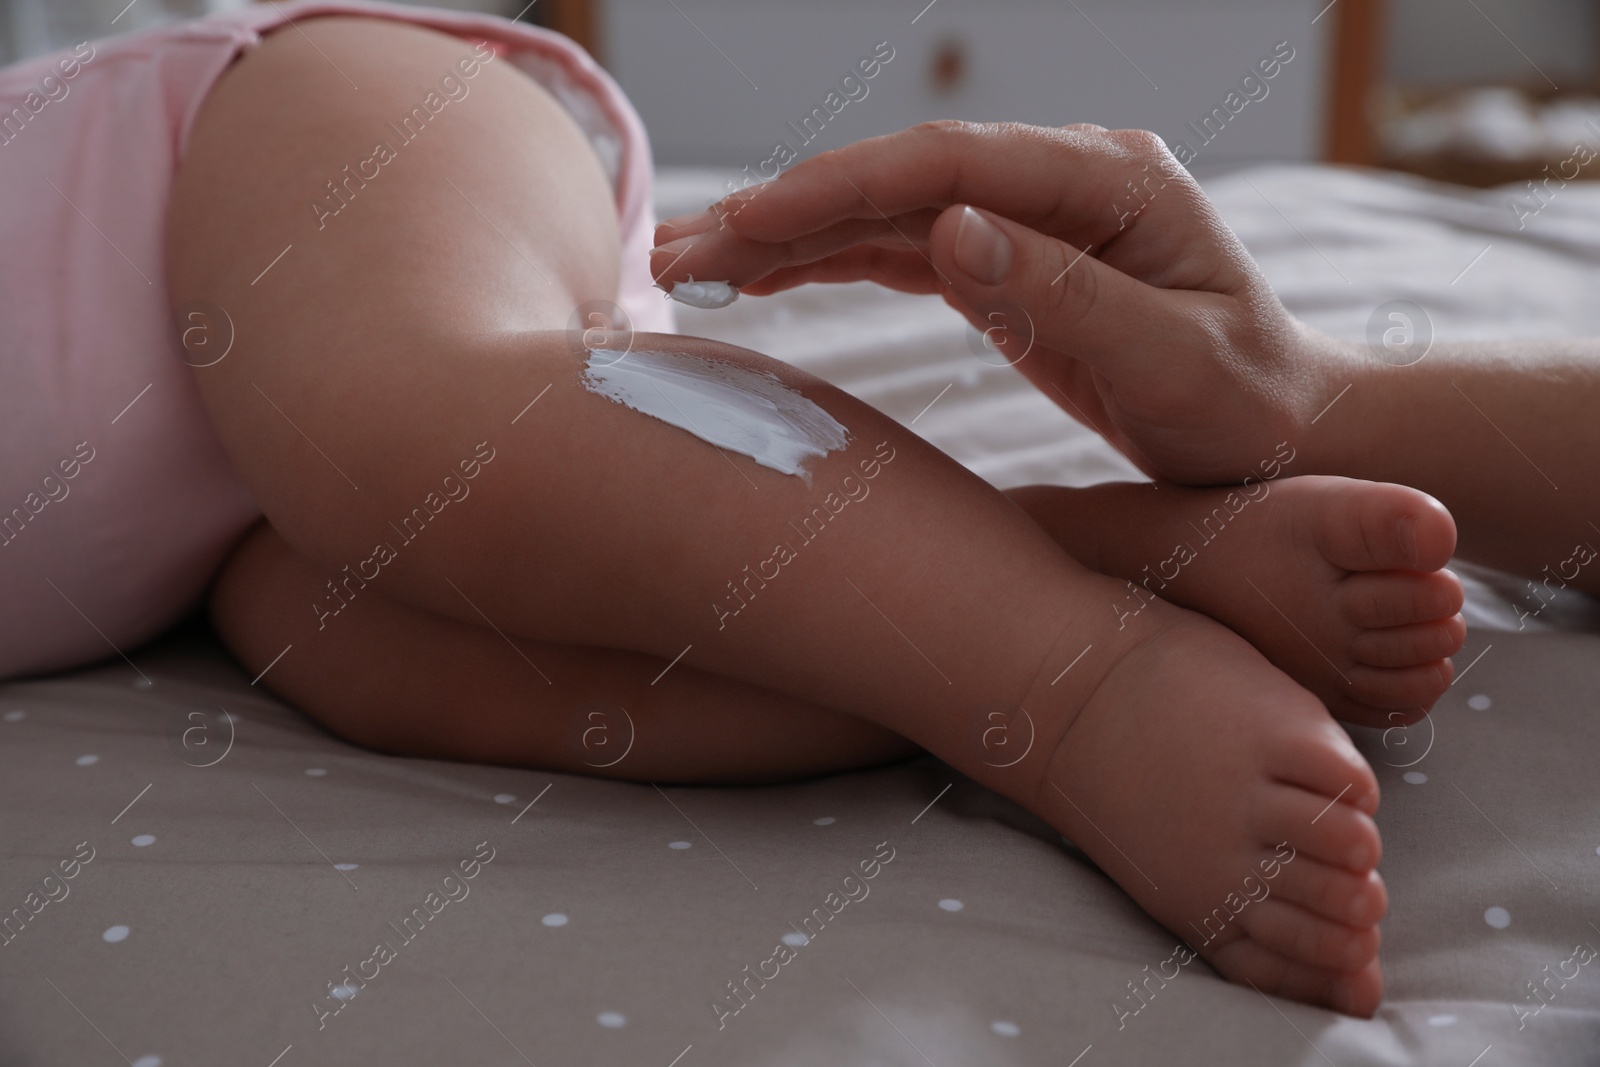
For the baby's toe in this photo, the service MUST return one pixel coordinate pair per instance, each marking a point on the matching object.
(1294, 932)
(1359, 993)
(1374, 526)
(1321, 761)
(1409, 646)
(1333, 892)
(1380, 599)
(1410, 691)
(1321, 828)
(1274, 974)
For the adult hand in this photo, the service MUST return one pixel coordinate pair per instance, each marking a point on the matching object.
(1137, 309)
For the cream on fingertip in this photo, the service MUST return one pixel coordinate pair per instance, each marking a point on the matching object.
(707, 295)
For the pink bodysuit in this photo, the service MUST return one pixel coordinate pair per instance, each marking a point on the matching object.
(117, 503)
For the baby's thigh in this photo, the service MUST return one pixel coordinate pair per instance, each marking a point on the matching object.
(352, 262)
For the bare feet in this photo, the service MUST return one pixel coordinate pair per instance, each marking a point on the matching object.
(1338, 582)
(1226, 802)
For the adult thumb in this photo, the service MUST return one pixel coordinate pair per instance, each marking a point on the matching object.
(1044, 291)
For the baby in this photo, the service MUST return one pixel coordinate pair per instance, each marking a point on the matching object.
(448, 512)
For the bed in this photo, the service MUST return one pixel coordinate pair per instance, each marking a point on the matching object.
(204, 876)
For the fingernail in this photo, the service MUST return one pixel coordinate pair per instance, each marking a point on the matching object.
(679, 245)
(982, 251)
(683, 222)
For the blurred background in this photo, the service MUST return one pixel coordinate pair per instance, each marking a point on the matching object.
(1472, 91)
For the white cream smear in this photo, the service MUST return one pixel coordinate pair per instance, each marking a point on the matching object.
(738, 408)
(706, 295)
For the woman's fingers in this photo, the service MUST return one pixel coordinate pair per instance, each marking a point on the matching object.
(1023, 171)
(723, 254)
(1118, 192)
(1046, 292)
(904, 269)
(1061, 311)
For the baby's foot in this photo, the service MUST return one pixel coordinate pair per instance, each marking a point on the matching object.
(1226, 802)
(1338, 582)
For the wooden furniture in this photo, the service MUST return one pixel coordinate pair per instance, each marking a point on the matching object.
(1355, 72)
(577, 19)
(1364, 101)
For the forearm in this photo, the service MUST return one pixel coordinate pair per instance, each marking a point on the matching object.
(1506, 435)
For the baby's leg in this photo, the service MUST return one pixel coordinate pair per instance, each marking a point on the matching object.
(408, 341)
(413, 682)
(1337, 581)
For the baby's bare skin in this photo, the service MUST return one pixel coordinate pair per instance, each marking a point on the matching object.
(598, 540)
(1339, 583)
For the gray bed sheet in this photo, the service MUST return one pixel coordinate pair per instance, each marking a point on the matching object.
(205, 876)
